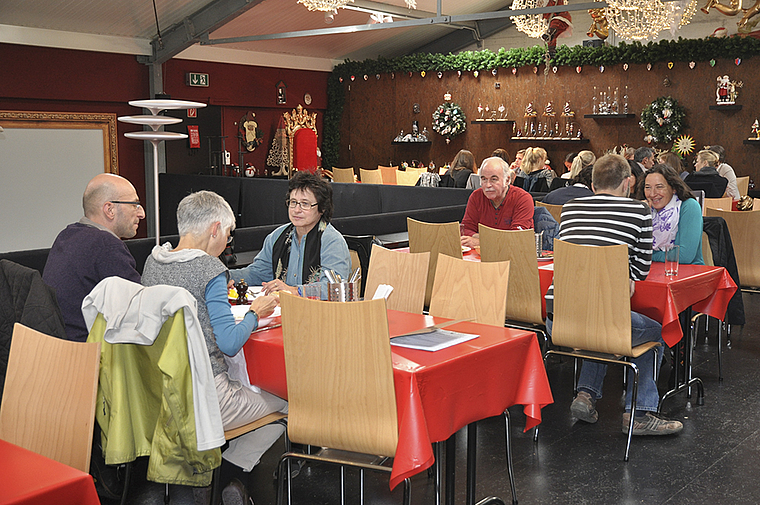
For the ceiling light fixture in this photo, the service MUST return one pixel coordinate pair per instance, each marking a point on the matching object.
(324, 5)
(532, 25)
(637, 19)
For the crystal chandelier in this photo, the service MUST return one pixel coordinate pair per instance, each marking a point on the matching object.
(681, 13)
(324, 5)
(637, 19)
(532, 25)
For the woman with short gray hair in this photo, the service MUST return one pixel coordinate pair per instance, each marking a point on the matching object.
(206, 221)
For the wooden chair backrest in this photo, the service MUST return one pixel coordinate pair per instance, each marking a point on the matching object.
(435, 238)
(717, 203)
(707, 250)
(370, 176)
(743, 184)
(388, 173)
(519, 248)
(406, 272)
(407, 178)
(470, 289)
(592, 306)
(343, 174)
(554, 210)
(49, 398)
(340, 375)
(744, 228)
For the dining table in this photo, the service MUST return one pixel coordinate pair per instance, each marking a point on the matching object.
(439, 392)
(31, 479)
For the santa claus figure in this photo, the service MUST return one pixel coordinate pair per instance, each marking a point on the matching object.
(560, 25)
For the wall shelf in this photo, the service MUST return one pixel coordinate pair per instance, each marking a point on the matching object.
(726, 107)
(426, 143)
(609, 116)
(543, 140)
(755, 142)
(493, 121)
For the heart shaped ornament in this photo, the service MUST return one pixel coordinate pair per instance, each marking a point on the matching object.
(601, 69)
(493, 72)
(514, 70)
(459, 73)
(625, 67)
(578, 69)
(738, 61)
(353, 77)
(712, 63)
(440, 74)
(649, 66)
(670, 64)
(535, 70)
(692, 65)
(365, 77)
(377, 76)
(554, 69)
(422, 73)
(475, 74)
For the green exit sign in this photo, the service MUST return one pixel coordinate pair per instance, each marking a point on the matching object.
(196, 79)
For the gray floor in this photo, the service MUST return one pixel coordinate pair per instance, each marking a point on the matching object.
(716, 459)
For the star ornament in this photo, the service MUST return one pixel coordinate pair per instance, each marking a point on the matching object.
(684, 145)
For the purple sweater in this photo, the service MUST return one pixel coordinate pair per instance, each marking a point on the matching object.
(81, 257)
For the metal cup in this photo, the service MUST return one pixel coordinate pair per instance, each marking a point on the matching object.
(343, 291)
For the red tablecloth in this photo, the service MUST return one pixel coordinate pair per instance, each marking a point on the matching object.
(707, 289)
(437, 393)
(26, 477)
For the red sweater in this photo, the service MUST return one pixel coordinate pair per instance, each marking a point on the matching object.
(514, 213)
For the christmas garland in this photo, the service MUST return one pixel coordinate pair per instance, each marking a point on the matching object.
(663, 120)
(449, 120)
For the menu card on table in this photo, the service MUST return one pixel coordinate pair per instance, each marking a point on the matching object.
(433, 340)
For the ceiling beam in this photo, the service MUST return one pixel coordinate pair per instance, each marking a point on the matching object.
(457, 40)
(189, 31)
(437, 20)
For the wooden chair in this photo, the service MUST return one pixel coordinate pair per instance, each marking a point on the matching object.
(343, 174)
(470, 290)
(370, 176)
(554, 210)
(340, 383)
(388, 173)
(435, 238)
(524, 292)
(744, 228)
(48, 403)
(595, 322)
(406, 272)
(717, 203)
(408, 178)
(743, 184)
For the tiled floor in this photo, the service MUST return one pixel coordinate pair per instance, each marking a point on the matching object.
(715, 460)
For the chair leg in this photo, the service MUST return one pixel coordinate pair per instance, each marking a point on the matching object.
(216, 486)
(127, 477)
(634, 394)
(510, 468)
(407, 492)
(720, 350)
(167, 498)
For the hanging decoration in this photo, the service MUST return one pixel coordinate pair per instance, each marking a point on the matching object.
(637, 19)
(663, 120)
(249, 132)
(684, 145)
(449, 119)
(532, 25)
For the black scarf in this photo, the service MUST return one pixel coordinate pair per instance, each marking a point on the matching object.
(312, 268)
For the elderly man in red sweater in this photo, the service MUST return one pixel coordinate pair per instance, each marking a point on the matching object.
(496, 203)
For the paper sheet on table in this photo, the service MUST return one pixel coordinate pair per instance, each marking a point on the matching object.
(239, 312)
(382, 291)
(433, 340)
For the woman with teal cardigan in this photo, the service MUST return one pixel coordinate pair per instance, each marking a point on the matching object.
(676, 215)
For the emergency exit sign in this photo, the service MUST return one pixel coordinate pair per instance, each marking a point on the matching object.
(196, 79)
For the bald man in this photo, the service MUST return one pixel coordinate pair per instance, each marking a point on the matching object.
(88, 251)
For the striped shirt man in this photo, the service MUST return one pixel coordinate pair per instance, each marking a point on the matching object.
(602, 220)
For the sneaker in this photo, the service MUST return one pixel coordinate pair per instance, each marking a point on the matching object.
(651, 424)
(235, 493)
(583, 408)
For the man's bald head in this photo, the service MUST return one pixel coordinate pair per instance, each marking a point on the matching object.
(100, 204)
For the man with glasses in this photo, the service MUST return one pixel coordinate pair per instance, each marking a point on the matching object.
(300, 252)
(90, 250)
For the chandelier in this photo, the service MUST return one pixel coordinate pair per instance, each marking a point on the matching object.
(324, 5)
(681, 13)
(637, 19)
(532, 25)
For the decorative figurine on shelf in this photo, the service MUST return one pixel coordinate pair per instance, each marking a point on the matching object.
(599, 25)
(549, 110)
(399, 137)
(568, 116)
(480, 112)
(726, 93)
(755, 130)
(529, 112)
(242, 289)
(424, 135)
(488, 112)
(415, 129)
(502, 112)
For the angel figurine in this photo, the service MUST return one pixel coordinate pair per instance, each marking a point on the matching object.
(755, 130)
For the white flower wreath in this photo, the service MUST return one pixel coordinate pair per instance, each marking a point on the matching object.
(449, 120)
(663, 120)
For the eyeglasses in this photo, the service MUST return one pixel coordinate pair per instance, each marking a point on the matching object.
(137, 203)
(303, 205)
(230, 237)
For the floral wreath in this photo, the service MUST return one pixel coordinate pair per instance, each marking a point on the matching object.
(449, 120)
(663, 120)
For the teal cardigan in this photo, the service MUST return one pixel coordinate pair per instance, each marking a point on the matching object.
(689, 235)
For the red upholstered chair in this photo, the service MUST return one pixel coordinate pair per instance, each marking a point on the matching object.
(301, 131)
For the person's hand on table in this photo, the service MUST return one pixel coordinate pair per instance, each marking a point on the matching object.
(263, 306)
(471, 242)
(278, 285)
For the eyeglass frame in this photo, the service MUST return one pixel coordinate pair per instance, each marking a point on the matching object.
(292, 204)
(139, 205)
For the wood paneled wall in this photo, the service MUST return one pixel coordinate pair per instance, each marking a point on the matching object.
(377, 109)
